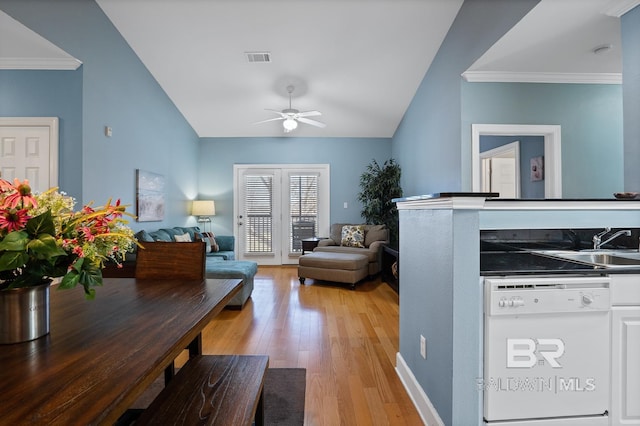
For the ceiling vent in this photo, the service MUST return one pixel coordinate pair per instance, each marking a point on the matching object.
(259, 56)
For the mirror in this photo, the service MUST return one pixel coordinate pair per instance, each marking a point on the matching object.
(552, 152)
(569, 50)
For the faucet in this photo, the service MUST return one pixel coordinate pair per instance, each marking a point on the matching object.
(597, 239)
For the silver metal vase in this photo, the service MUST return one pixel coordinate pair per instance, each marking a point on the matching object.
(24, 313)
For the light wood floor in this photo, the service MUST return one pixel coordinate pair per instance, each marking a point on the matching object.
(347, 340)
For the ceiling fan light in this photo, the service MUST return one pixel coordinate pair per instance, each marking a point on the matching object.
(289, 124)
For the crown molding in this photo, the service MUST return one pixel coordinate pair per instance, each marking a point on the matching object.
(617, 8)
(39, 64)
(541, 77)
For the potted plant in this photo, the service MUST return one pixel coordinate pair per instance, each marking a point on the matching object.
(42, 238)
(378, 186)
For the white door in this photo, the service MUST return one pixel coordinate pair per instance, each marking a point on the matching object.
(276, 207)
(258, 215)
(29, 150)
(501, 170)
(503, 177)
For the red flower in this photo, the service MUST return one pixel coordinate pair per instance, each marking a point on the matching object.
(67, 242)
(86, 231)
(13, 220)
(21, 196)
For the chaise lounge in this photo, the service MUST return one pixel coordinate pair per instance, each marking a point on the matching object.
(352, 253)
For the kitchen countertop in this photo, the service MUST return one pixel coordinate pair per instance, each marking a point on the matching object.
(497, 260)
(526, 263)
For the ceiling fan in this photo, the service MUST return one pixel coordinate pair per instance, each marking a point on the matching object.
(292, 116)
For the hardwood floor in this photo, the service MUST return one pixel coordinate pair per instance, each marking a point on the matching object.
(347, 340)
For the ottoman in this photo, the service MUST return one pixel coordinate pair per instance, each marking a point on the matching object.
(338, 267)
(218, 268)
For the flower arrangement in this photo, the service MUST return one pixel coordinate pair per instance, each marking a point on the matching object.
(42, 238)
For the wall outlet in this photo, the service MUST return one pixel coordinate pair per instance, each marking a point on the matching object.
(423, 347)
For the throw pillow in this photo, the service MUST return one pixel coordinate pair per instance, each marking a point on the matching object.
(200, 237)
(375, 233)
(184, 238)
(353, 236)
(209, 238)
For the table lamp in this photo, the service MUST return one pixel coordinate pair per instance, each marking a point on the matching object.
(204, 209)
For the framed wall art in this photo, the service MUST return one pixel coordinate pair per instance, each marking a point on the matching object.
(537, 168)
(149, 196)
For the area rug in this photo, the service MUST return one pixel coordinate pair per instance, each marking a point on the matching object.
(284, 393)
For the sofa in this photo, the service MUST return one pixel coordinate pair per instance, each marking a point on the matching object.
(375, 237)
(218, 264)
(226, 243)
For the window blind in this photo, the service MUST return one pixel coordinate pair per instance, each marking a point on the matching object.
(303, 205)
(259, 211)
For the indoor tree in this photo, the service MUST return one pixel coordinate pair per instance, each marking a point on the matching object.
(378, 186)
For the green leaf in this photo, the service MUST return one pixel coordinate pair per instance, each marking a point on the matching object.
(14, 241)
(84, 273)
(77, 265)
(91, 278)
(45, 247)
(70, 280)
(90, 294)
(42, 224)
(12, 259)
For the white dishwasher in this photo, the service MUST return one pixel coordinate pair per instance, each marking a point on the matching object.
(546, 350)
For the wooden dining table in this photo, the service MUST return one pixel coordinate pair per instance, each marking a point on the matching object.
(101, 354)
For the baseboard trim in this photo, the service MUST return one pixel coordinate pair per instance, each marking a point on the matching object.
(419, 398)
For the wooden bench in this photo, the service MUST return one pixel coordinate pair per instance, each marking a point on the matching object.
(212, 390)
(163, 260)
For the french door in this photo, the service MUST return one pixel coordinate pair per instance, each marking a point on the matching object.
(276, 206)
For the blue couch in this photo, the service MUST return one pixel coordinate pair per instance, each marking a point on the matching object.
(219, 264)
(226, 243)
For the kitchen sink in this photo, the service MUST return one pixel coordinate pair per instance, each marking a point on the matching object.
(631, 254)
(600, 258)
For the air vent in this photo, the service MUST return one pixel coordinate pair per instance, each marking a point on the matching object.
(259, 56)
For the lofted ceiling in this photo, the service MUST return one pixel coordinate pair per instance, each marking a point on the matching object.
(359, 62)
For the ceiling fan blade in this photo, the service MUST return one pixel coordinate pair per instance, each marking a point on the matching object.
(309, 113)
(276, 111)
(312, 122)
(271, 119)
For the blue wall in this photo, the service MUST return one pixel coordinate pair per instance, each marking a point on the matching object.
(630, 23)
(50, 94)
(347, 158)
(427, 142)
(149, 133)
(530, 146)
(591, 120)
(428, 147)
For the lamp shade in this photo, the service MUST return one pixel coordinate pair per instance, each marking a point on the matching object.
(289, 124)
(203, 208)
